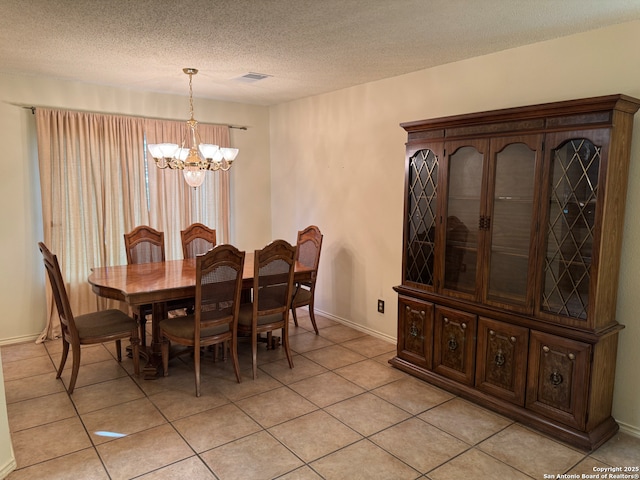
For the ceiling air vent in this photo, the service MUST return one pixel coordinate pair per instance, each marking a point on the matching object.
(253, 77)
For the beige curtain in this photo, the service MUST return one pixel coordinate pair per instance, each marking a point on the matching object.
(92, 177)
(173, 204)
(96, 185)
(218, 206)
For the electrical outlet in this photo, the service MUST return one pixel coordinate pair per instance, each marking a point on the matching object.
(380, 306)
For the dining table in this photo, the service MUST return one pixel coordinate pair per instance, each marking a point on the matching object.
(159, 284)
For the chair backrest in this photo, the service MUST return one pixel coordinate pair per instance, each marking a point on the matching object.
(59, 290)
(274, 267)
(309, 246)
(218, 287)
(144, 245)
(197, 239)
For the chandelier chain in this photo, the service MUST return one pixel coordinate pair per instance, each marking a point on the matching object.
(191, 95)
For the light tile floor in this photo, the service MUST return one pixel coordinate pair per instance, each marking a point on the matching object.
(341, 413)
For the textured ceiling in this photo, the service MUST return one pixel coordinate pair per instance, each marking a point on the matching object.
(306, 46)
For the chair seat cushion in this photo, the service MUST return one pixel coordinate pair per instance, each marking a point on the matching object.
(246, 316)
(104, 323)
(184, 327)
(302, 297)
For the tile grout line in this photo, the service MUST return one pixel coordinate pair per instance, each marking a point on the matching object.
(317, 408)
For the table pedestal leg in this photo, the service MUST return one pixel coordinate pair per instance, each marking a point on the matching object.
(153, 368)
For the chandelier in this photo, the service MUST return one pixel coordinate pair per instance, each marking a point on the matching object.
(193, 157)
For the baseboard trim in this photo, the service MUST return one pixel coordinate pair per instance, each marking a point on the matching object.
(20, 339)
(357, 326)
(8, 467)
(629, 429)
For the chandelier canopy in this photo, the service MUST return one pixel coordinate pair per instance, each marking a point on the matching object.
(193, 157)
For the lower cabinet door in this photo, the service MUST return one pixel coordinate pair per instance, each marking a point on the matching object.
(501, 361)
(415, 335)
(557, 385)
(454, 344)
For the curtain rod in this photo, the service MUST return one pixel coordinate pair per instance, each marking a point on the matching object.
(33, 111)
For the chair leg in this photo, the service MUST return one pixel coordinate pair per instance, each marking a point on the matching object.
(313, 317)
(285, 344)
(295, 317)
(63, 359)
(196, 363)
(234, 357)
(119, 350)
(220, 348)
(75, 351)
(254, 354)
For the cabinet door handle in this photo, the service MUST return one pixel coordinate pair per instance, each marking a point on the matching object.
(464, 325)
(492, 333)
(571, 356)
(555, 378)
(446, 320)
(413, 330)
(545, 349)
(513, 339)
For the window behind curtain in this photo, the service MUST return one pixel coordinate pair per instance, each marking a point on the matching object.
(98, 184)
(173, 204)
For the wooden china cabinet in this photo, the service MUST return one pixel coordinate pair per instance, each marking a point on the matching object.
(513, 226)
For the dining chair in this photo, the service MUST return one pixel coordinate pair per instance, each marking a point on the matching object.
(273, 271)
(309, 244)
(144, 244)
(197, 239)
(215, 320)
(87, 329)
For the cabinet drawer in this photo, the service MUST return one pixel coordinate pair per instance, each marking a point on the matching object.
(501, 361)
(557, 385)
(454, 344)
(415, 331)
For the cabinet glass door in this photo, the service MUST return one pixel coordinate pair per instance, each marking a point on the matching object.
(513, 192)
(421, 217)
(465, 174)
(575, 165)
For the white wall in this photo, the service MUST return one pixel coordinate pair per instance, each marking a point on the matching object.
(21, 268)
(338, 162)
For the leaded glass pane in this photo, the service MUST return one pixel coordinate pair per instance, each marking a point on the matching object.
(572, 205)
(423, 178)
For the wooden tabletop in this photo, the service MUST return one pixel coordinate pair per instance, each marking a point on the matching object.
(147, 283)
